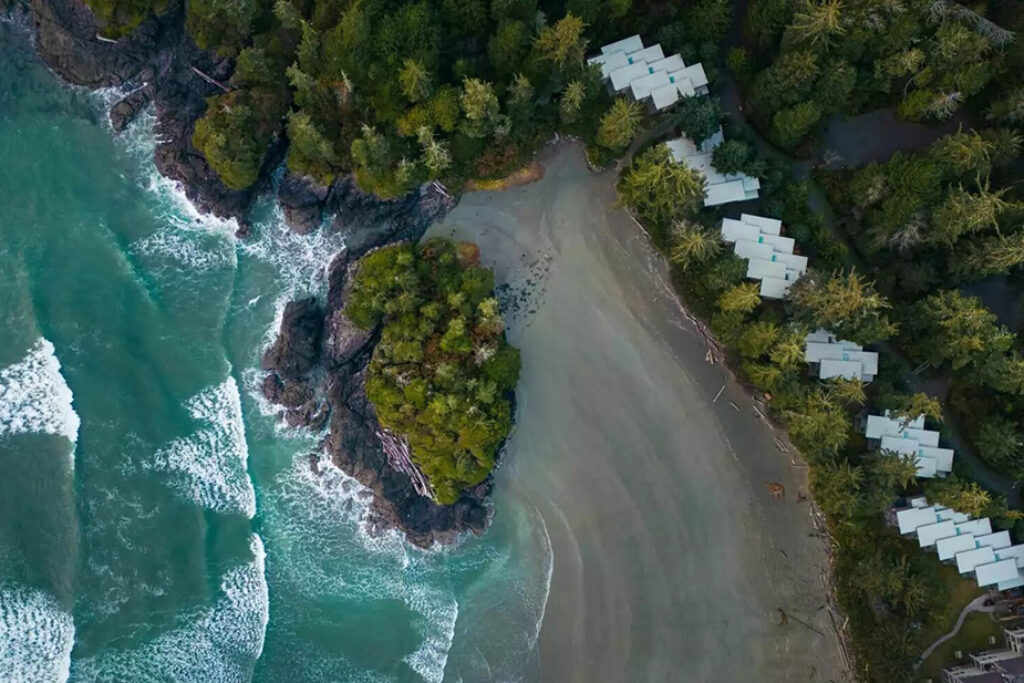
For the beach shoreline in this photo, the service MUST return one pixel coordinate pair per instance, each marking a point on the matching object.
(672, 558)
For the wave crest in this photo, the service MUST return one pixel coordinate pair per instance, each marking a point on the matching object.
(36, 634)
(34, 398)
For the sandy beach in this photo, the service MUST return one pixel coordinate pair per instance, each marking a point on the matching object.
(671, 557)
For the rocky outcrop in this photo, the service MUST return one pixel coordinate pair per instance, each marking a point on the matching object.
(156, 63)
(335, 381)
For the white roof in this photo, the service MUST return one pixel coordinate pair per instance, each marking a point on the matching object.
(925, 437)
(681, 148)
(911, 518)
(695, 72)
(957, 517)
(758, 268)
(943, 456)
(643, 86)
(733, 230)
(669, 64)
(769, 226)
(926, 467)
(751, 249)
(879, 426)
(774, 287)
(918, 502)
(1011, 583)
(996, 541)
(994, 572)
(975, 527)
(969, 559)
(665, 96)
(683, 85)
(648, 55)
(780, 244)
(928, 534)
(751, 182)
(821, 335)
(724, 193)
(829, 369)
(610, 62)
(950, 546)
(894, 444)
(623, 76)
(1016, 551)
(631, 44)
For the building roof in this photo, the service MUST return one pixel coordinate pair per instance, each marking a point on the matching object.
(643, 86)
(1016, 551)
(926, 467)
(994, 572)
(832, 369)
(758, 268)
(683, 84)
(752, 249)
(733, 230)
(665, 96)
(949, 547)
(623, 76)
(928, 534)
(1012, 665)
(943, 456)
(996, 541)
(649, 54)
(881, 425)
(909, 519)
(774, 287)
(725, 193)
(610, 62)
(695, 72)
(631, 44)
(975, 527)
(969, 559)
(769, 226)
(670, 64)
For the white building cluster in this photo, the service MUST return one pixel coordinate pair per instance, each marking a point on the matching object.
(721, 188)
(769, 254)
(911, 438)
(990, 557)
(647, 75)
(831, 357)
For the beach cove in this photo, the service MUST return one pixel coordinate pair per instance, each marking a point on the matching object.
(671, 557)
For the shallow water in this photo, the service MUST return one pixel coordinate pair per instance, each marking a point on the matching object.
(156, 523)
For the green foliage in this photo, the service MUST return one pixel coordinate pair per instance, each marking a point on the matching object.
(698, 117)
(948, 327)
(119, 18)
(732, 156)
(233, 135)
(960, 495)
(442, 373)
(620, 124)
(845, 303)
(1000, 441)
(660, 191)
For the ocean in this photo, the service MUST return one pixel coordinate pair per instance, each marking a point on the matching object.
(157, 522)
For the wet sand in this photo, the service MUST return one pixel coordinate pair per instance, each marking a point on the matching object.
(671, 557)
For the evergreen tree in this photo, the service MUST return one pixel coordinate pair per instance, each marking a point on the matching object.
(845, 303)
(619, 125)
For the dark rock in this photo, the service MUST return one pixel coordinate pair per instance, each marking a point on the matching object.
(125, 110)
(295, 351)
(302, 199)
(272, 388)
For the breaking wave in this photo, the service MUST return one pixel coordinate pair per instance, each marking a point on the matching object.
(34, 398)
(319, 522)
(210, 466)
(36, 637)
(217, 645)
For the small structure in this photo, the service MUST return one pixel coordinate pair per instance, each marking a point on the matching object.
(831, 357)
(992, 666)
(969, 543)
(721, 188)
(769, 254)
(909, 437)
(647, 75)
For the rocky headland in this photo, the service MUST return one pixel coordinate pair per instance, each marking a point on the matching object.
(316, 367)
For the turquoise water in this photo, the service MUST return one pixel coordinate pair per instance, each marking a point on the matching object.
(156, 522)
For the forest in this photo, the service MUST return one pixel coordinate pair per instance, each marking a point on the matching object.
(442, 374)
(917, 253)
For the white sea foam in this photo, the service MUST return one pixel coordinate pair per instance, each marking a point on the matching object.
(211, 465)
(36, 637)
(217, 645)
(34, 398)
(438, 610)
(319, 518)
(301, 261)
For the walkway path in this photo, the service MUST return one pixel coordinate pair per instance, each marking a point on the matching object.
(975, 605)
